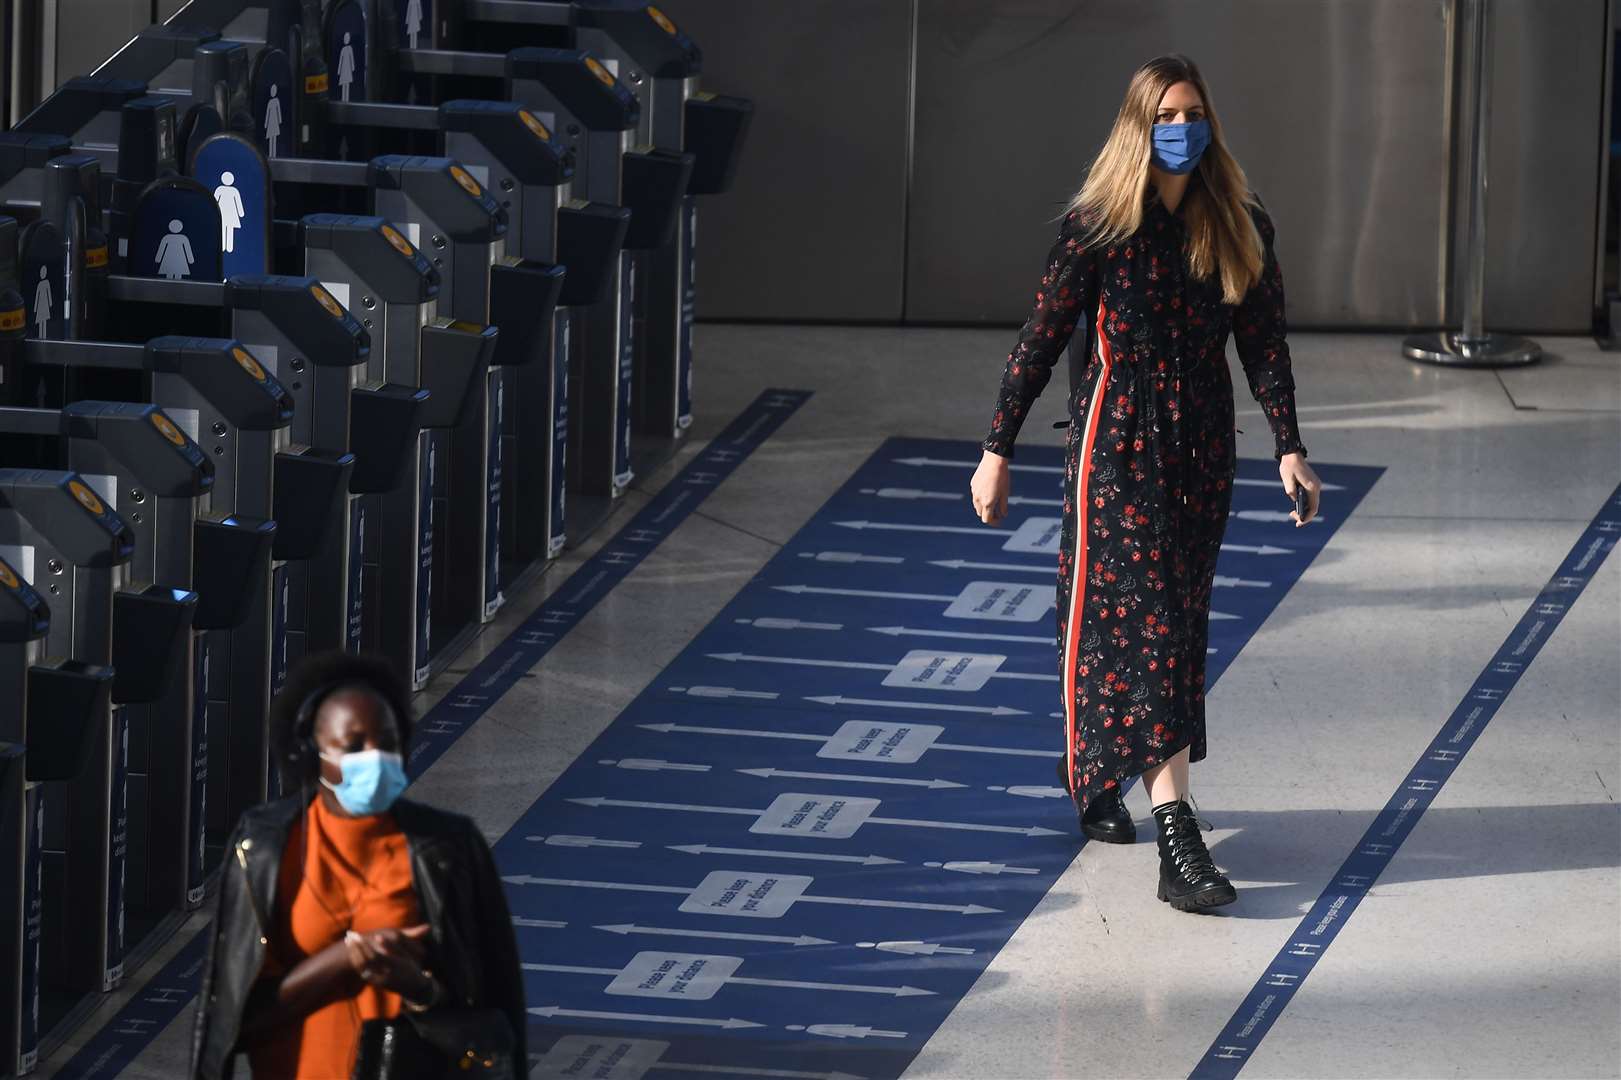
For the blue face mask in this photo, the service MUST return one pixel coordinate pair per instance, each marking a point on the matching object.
(1178, 147)
(372, 780)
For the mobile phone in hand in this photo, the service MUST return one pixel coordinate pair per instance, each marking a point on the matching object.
(1300, 501)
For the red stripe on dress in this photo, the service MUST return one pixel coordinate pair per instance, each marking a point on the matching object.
(1078, 584)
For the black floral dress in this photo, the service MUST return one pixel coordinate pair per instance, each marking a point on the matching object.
(1151, 418)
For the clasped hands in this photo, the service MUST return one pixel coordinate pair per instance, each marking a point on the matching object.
(392, 958)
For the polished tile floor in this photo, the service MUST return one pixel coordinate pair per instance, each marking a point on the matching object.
(1491, 947)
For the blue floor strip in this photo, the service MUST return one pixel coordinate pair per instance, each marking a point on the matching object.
(168, 993)
(1322, 924)
(796, 851)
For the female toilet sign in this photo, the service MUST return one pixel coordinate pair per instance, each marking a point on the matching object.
(346, 49)
(176, 234)
(44, 281)
(237, 178)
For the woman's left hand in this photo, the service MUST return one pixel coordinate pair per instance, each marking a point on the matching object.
(1295, 472)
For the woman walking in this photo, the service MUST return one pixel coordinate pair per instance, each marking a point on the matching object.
(1161, 254)
(358, 933)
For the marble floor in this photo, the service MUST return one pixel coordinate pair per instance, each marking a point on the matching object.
(1490, 947)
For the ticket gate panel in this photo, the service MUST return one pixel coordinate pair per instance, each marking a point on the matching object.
(57, 528)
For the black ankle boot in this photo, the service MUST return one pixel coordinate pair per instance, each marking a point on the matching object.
(1188, 878)
(1106, 817)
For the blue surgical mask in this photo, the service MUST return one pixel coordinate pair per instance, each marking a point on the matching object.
(1178, 147)
(372, 780)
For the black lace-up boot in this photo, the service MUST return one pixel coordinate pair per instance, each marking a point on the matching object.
(1106, 817)
(1188, 878)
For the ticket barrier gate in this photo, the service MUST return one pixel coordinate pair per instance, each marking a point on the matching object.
(217, 393)
(44, 738)
(74, 549)
(513, 156)
(439, 209)
(135, 455)
(645, 51)
(289, 323)
(294, 329)
(574, 96)
(397, 291)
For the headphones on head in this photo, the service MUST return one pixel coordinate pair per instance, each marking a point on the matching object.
(301, 756)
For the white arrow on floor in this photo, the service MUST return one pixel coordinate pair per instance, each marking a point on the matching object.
(720, 935)
(839, 699)
(847, 1031)
(910, 493)
(854, 778)
(974, 530)
(787, 1074)
(799, 590)
(653, 765)
(849, 557)
(1225, 582)
(938, 463)
(966, 826)
(964, 564)
(861, 665)
(1258, 549)
(776, 984)
(789, 624)
(917, 493)
(618, 886)
(721, 692)
(995, 750)
(961, 635)
(734, 657)
(694, 729)
(915, 948)
(627, 886)
(598, 801)
(812, 856)
(1265, 515)
(650, 1018)
(1279, 484)
(1032, 791)
(582, 841)
(981, 867)
(544, 924)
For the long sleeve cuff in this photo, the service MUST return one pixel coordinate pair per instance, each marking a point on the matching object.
(1279, 407)
(1001, 444)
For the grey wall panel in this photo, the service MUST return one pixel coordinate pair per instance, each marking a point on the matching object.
(167, 8)
(1335, 108)
(1545, 143)
(814, 227)
(89, 31)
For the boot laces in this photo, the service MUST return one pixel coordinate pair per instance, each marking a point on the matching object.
(1187, 847)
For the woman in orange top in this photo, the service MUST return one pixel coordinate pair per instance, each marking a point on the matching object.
(344, 903)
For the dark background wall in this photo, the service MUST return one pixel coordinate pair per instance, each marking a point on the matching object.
(908, 157)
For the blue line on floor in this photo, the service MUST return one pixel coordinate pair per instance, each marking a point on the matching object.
(1277, 987)
(168, 992)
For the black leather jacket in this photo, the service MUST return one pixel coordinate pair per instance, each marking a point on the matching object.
(472, 948)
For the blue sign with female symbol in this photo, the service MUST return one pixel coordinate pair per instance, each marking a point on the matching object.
(176, 234)
(235, 174)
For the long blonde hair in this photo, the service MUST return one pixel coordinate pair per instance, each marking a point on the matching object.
(1222, 238)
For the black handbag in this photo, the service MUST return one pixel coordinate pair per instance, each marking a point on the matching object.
(435, 1044)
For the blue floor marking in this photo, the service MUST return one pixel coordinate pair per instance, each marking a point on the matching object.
(1351, 882)
(803, 843)
(128, 1032)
